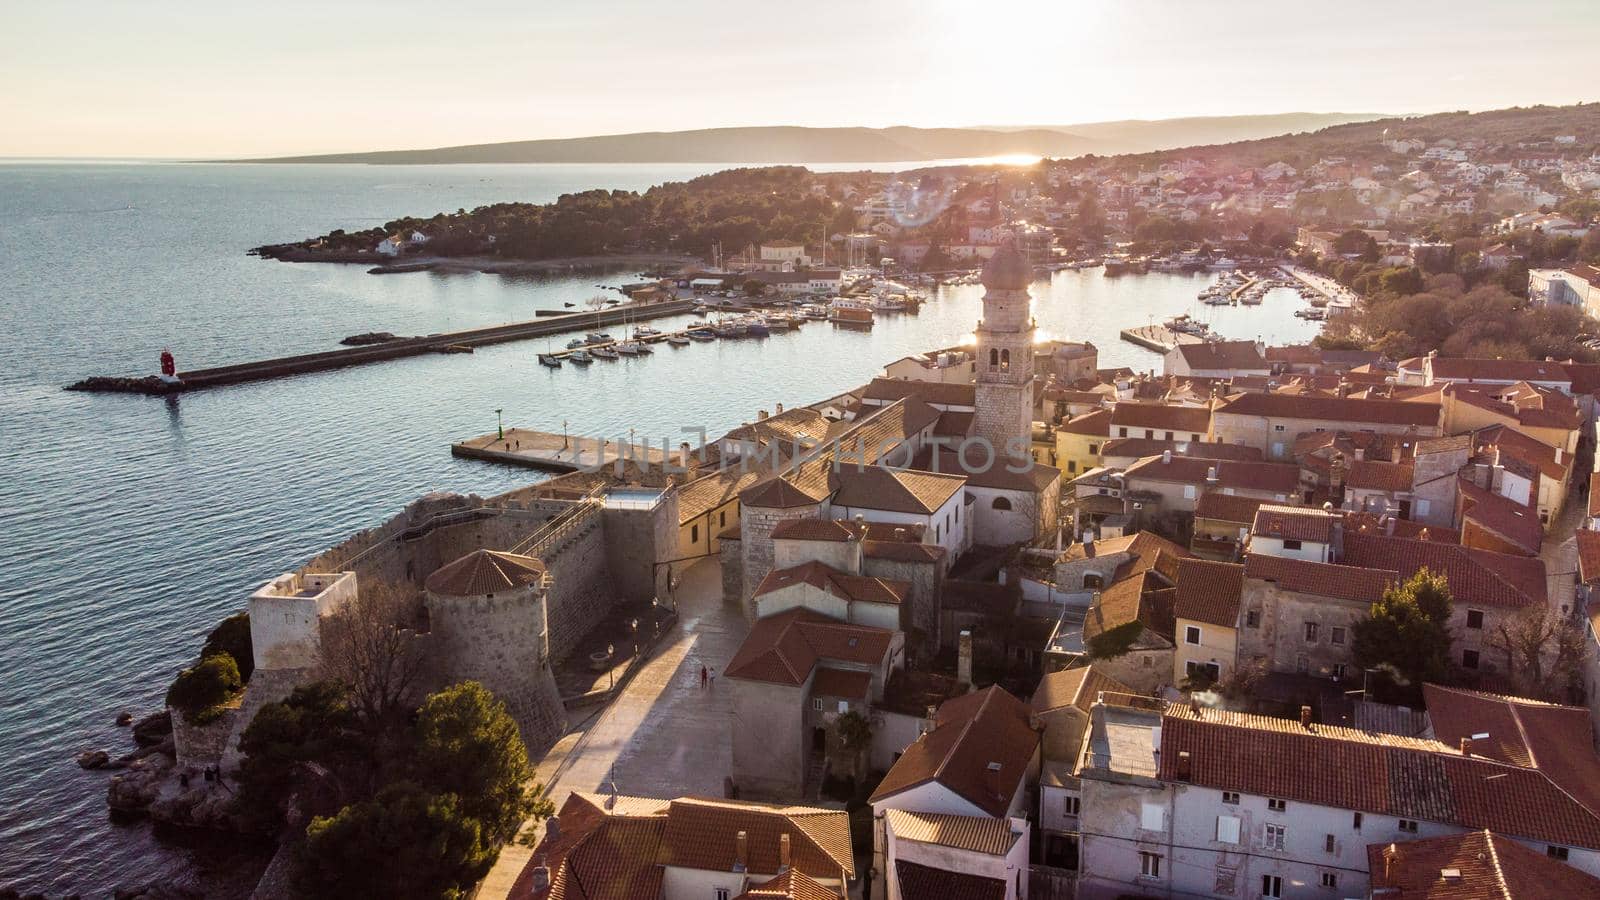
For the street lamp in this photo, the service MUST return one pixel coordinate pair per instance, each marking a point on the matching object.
(499, 424)
(611, 670)
(563, 434)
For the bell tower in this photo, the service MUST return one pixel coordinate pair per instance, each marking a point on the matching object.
(1004, 395)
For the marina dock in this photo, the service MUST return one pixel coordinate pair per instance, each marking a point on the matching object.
(552, 452)
(441, 342)
(1159, 338)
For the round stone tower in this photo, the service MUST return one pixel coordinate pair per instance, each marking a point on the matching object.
(488, 623)
(1004, 396)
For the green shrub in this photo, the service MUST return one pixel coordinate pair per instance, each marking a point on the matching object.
(201, 689)
(232, 636)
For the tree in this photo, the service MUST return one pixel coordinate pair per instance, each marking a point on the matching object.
(232, 636)
(1544, 654)
(200, 690)
(855, 732)
(312, 728)
(367, 646)
(754, 288)
(1407, 633)
(468, 745)
(405, 842)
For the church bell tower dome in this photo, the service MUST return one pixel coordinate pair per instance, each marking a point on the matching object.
(1007, 269)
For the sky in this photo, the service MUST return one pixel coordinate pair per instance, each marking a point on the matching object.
(199, 80)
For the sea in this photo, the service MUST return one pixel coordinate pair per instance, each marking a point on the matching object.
(130, 525)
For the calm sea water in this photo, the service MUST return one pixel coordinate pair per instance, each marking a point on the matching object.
(131, 525)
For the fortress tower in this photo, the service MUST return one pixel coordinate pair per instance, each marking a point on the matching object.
(488, 623)
(1005, 352)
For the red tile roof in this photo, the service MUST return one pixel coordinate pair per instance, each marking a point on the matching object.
(1138, 448)
(1475, 576)
(1476, 865)
(1295, 523)
(847, 683)
(1235, 355)
(1512, 522)
(1096, 423)
(1227, 507)
(850, 588)
(1322, 579)
(1209, 592)
(1159, 417)
(702, 833)
(1074, 687)
(599, 853)
(1554, 739)
(1277, 478)
(1588, 555)
(1496, 370)
(927, 883)
(791, 885)
(1377, 475)
(939, 393)
(878, 488)
(1334, 409)
(1388, 775)
(970, 735)
(484, 572)
(1551, 463)
(784, 648)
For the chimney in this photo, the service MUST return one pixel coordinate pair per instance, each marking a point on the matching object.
(1558, 454)
(1388, 525)
(1211, 476)
(1361, 454)
(541, 877)
(761, 415)
(991, 778)
(1466, 746)
(552, 828)
(783, 852)
(964, 658)
(931, 716)
(683, 455)
(778, 409)
(1166, 457)
(1305, 717)
(741, 852)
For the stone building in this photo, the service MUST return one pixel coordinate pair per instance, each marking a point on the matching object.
(1004, 397)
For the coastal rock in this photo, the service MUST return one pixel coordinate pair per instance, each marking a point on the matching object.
(153, 729)
(149, 384)
(140, 784)
(93, 759)
(124, 719)
(369, 337)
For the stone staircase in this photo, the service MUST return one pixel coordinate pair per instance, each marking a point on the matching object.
(816, 770)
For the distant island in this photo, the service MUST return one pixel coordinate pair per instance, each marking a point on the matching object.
(791, 144)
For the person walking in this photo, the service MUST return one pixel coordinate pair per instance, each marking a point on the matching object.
(703, 677)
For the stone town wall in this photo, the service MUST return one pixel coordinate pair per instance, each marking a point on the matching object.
(265, 686)
(636, 541)
(582, 593)
(199, 746)
(499, 641)
(731, 557)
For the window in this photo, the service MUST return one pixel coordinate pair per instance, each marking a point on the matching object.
(1227, 829)
(1149, 434)
(1005, 360)
(1356, 822)
(816, 703)
(694, 534)
(1555, 852)
(1272, 886)
(719, 893)
(1230, 797)
(1153, 817)
(1094, 449)
(1276, 805)
(1001, 503)
(994, 359)
(1188, 492)
(1336, 635)
(1169, 435)
(1072, 466)
(1149, 864)
(1330, 880)
(1272, 836)
(1122, 432)
(1328, 843)
(1469, 659)
(1311, 632)
(722, 518)
(936, 537)
(844, 706)
(1474, 618)
(1277, 428)
(1191, 634)
(1420, 507)
(1409, 826)
(1092, 580)
(1070, 805)
(1339, 670)
(1252, 618)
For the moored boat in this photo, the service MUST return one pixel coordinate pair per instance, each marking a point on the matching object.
(677, 340)
(549, 360)
(702, 334)
(604, 353)
(629, 348)
(580, 358)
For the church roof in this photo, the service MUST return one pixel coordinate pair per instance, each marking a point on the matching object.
(1007, 269)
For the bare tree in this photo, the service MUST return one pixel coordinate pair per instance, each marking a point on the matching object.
(370, 645)
(1544, 653)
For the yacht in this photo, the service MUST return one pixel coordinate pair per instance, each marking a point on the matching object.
(580, 358)
(577, 343)
(598, 337)
(702, 334)
(677, 340)
(604, 353)
(549, 360)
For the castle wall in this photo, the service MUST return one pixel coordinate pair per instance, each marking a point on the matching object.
(499, 640)
(200, 746)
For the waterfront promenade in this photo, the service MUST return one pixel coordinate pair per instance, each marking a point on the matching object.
(663, 736)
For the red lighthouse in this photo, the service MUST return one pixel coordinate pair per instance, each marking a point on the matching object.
(169, 366)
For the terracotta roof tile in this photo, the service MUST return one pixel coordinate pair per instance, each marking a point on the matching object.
(1095, 423)
(599, 853)
(847, 587)
(1227, 507)
(1389, 775)
(1482, 865)
(1302, 523)
(1475, 576)
(1379, 475)
(1529, 733)
(1138, 448)
(483, 572)
(701, 833)
(1512, 522)
(1335, 409)
(1209, 592)
(1074, 687)
(784, 648)
(927, 883)
(978, 834)
(1223, 355)
(878, 488)
(850, 684)
(1322, 579)
(988, 727)
(938, 393)
(1276, 478)
(791, 885)
(1588, 555)
(1160, 417)
(1497, 370)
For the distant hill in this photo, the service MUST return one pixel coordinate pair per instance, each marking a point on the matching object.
(791, 144)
